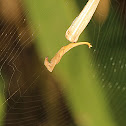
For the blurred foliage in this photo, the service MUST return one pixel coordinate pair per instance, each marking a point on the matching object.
(93, 79)
(85, 96)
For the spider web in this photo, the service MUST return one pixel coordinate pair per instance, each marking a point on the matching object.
(30, 95)
(109, 57)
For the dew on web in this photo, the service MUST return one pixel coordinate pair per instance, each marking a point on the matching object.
(118, 87)
(105, 67)
(103, 74)
(113, 64)
(103, 79)
(116, 84)
(124, 88)
(115, 70)
(109, 85)
(110, 64)
(94, 50)
(111, 58)
(125, 65)
(120, 61)
(98, 65)
(122, 66)
(103, 86)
